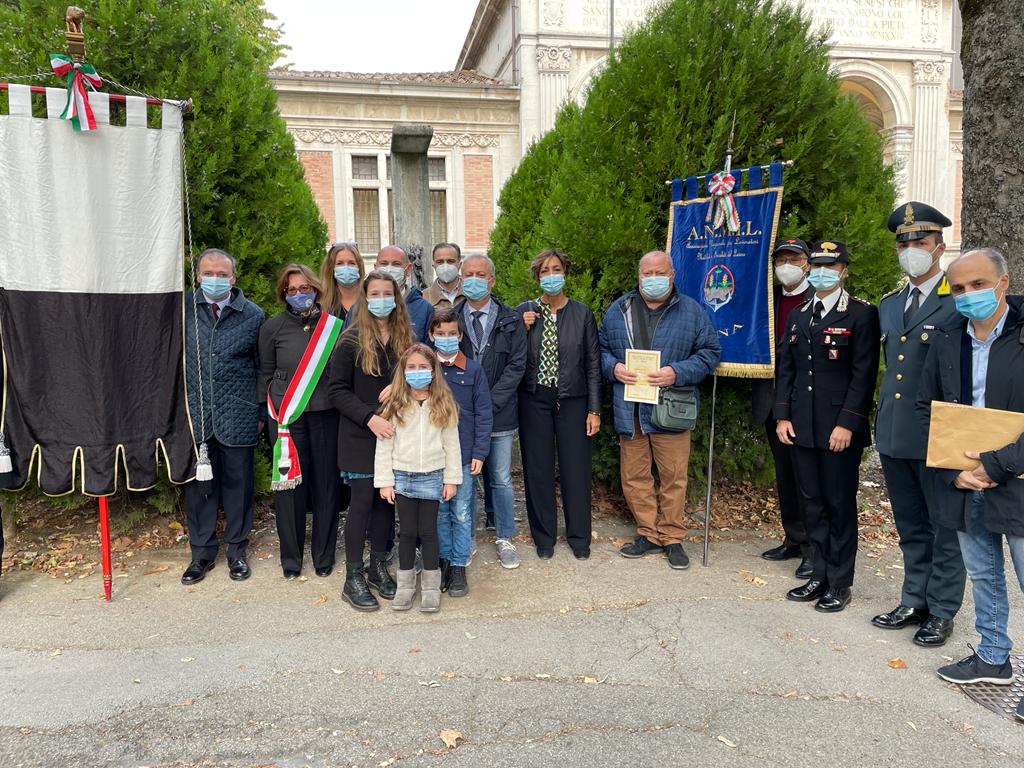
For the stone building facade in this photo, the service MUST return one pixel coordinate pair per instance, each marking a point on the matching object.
(522, 59)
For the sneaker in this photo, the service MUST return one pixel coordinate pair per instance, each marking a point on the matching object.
(458, 587)
(507, 555)
(975, 670)
(677, 557)
(642, 546)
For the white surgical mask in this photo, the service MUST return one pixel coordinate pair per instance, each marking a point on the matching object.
(916, 261)
(397, 273)
(446, 272)
(789, 274)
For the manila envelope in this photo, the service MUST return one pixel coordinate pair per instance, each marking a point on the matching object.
(957, 428)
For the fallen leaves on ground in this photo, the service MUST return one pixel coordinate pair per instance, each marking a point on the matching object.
(897, 663)
(156, 569)
(187, 659)
(450, 737)
(727, 742)
(320, 600)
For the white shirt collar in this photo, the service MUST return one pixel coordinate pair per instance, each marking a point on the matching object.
(484, 310)
(927, 286)
(829, 302)
(796, 291)
(997, 330)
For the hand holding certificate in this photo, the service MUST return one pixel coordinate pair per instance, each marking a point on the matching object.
(642, 362)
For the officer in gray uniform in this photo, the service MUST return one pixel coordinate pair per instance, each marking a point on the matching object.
(933, 570)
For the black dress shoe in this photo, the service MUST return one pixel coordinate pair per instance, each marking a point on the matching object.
(355, 591)
(196, 571)
(805, 570)
(934, 632)
(291, 575)
(834, 600)
(812, 590)
(327, 570)
(238, 569)
(545, 553)
(581, 554)
(781, 552)
(901, 616)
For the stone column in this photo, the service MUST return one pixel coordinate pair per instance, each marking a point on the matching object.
(553, 66)
(410, 193)
(901, 142)
(931, 131)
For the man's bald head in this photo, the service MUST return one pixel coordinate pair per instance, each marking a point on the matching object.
(392, 254)
(978, 270)
(655, 259)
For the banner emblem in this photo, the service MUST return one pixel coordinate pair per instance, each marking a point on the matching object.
(719, 287)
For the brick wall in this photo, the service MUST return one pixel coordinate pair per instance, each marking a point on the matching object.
(479, 199)
(319, 167)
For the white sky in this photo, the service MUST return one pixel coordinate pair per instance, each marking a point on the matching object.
(373, 35)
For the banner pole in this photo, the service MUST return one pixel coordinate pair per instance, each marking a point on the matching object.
(108, 578)
(711, 456)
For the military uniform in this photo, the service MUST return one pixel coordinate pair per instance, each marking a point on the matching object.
(933, 569)
(826, 379)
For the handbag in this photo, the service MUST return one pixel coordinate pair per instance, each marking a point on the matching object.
(677, 407)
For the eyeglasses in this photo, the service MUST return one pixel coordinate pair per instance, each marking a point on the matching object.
(292, 290)
(791, 259)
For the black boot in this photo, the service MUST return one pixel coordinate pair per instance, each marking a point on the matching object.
(446, 574)
(378, 578)
(355, 592)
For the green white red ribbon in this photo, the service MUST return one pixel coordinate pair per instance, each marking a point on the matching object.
(285, 472)
(79, 74)
(723, 206)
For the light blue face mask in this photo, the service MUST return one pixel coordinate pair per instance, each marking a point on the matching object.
(419, 379)
(977, 305)
(446, 345)
(381, 306)
(656, 287)
(215, 287)
(823, 278)
(475, 288)
(346, 275)
(552, 285)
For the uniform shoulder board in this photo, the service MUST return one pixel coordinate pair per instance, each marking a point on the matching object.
(899, 287)
(807, 304)
(859, 300)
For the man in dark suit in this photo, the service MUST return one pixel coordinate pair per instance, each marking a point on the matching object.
(824, 386)
(790, 262)
(910, 316)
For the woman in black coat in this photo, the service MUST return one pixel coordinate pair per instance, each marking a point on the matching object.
(559, 407)
(361, 369)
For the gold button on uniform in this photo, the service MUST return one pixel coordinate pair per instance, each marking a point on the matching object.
(899, 357)
(903, 338)
(924, 337)
(899, 377)
(897, 396)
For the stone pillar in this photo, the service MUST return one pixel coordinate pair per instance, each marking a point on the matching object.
(410, 193)
(931, 131)
(901, 142)
(553, 67)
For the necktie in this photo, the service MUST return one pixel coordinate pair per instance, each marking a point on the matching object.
(819, 308)
(215, 308)
(915, 302)
(478, 328)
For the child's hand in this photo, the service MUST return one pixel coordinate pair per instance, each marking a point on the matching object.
(476, 466)
(388, 494)
(447, 493)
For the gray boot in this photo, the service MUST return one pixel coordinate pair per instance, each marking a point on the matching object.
(406, 590)
(430, 591)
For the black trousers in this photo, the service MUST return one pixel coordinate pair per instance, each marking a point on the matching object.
(828, 486)
(933, 568)
(315, 434)
(417, 521)
(230, 490)
(367, 508)
(790, 504)
(548, 425)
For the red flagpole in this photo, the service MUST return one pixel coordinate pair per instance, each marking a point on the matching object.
(108, 578)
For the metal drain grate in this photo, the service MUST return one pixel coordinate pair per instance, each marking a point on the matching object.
(1001, 699)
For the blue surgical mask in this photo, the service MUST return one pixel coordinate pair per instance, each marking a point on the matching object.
(977, 305)
(656, 287)
(346, 275)
(419, 379)
(552, 285)
(301, 302)
(475, 288)
(215, 287)
(446, 345)
(381, 306)
(823, 278)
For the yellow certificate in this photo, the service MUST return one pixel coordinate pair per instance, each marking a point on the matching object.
(642, 362)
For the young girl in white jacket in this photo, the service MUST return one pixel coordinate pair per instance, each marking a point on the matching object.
(418, 468)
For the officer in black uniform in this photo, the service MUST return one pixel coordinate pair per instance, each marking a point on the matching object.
(824, 387)
(933, 570)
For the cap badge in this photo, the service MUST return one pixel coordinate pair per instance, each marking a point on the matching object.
(908, 214)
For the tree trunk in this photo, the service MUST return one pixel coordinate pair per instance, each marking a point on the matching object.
(992, 52)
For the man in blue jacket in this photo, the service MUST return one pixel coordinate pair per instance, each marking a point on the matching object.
(394, 261)
(220, 377)
(680, 329)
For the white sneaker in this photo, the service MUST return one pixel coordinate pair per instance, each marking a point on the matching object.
(507, 555)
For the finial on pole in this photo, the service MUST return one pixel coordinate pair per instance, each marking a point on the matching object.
(728, 150)
(73, 32)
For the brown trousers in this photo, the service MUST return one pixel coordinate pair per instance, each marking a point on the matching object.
(671, 454)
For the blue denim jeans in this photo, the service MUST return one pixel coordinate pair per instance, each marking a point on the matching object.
(498, 476)
(455, 522)
(983, 557)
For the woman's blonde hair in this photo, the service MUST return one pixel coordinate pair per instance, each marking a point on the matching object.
(365, 327)
(443, 410)
(331, 290)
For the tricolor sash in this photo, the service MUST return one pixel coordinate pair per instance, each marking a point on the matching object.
(285, 472)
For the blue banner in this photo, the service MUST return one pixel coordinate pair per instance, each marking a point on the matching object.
(730, 274)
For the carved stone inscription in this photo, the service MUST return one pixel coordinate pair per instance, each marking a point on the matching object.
(868, 21)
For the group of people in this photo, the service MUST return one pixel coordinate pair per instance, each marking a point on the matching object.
(389, 402)
(949, 336)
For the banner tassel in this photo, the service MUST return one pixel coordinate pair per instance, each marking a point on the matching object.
(204, 469)
(5, 457)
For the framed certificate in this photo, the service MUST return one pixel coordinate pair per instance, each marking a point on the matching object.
(642, 362)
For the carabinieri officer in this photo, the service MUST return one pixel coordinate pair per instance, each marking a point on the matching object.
(824, 386)
(933, 570)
